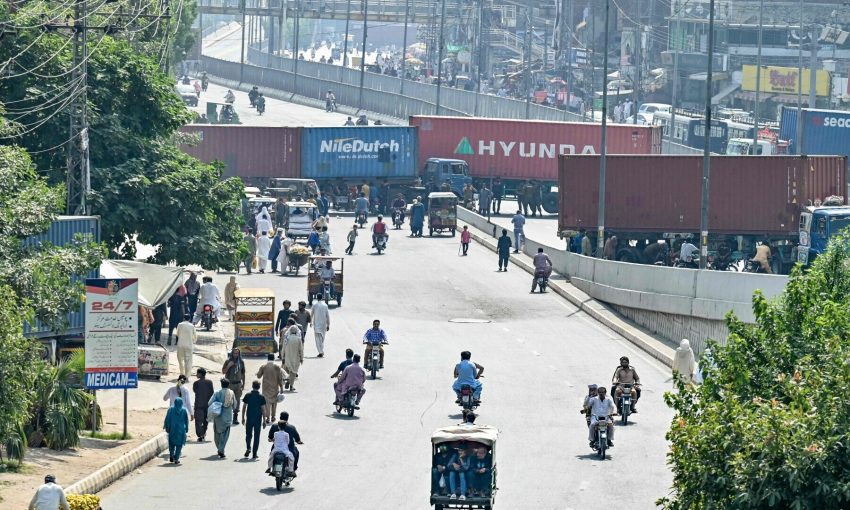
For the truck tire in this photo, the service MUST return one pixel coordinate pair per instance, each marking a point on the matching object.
(630, 255)
(550, 203)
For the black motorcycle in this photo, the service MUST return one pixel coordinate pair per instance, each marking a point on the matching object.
(467, 400)
(398, 218)
(361, 218)
(282, 476)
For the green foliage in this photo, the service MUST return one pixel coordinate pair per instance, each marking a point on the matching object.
(61, 406)
(769, 428)
(16, 356)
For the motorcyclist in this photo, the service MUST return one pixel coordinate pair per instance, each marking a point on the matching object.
(379, 230)
(294, 436)
(205, 81)
(352, 378)
(467, 372)
(400, 205)
(686, 253)
(543, 264)
(763, 256)
(362, 121)
(375, 337)
(723, 259)
(326, 273)
(281, 440)
(361, 205)
(261, 104)
(252, 96)
(348, 122)
(330, 101)
(208, 295)
(626, 374)
(229, 97)
(601, 408)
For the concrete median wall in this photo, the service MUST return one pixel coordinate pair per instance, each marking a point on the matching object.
(674, 303)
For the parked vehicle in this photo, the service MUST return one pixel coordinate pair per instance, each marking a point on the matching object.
(305, 188)
(442, 212)
(824, 132)
(688, 129)
(659, 197)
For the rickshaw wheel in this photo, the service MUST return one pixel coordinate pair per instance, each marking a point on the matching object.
(453, 232)
(339, 300)
(438, 506)
(431, 232)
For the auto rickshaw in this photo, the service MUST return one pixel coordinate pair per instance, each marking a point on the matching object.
(315, 285)
(442, 212)
(479, 443)
(298, 218)
(252, 206)
(305, 188)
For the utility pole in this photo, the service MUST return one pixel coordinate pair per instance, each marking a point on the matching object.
(527, 54)
(813, 71)
(242, 43)
(79, 179)
(758, 82)
(363, 53)
(480, 57)
(568, 6)
(295, 53)
(673, 101)
(799, 139)
(600, 240)
(404, 45)
(440, 55)
(345, 42)
(706, 152)
(638, 88)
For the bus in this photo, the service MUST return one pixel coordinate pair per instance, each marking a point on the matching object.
(690, 130)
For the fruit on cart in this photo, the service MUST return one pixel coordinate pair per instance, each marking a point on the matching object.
(83, 501)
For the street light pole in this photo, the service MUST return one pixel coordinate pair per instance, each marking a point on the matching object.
(706, 150)
(363, 54)
(404, 45)
(674, 100)
(638, 89)
(813, 70)
(440, 55)
(527, 51)
(345, 42)
(600, 240)
(569, 58)
(799, 138)
(758, 82)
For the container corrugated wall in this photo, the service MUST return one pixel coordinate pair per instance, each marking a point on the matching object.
(355, 152)
(61, 233)
(252, 153)
(521, 149)
(749, 194)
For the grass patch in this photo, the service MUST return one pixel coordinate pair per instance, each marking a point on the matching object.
(109, 436)
(13, 466)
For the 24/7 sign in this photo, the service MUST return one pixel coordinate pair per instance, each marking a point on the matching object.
(112, 324)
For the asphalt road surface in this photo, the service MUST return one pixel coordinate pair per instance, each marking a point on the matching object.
(539, 353)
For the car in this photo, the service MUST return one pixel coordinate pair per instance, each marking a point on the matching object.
(187, 94)
(646, 112)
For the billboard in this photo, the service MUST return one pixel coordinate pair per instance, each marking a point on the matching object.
(112, 329)
(784, 80)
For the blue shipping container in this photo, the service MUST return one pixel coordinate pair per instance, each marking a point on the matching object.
(359, 152)
(825, 132)
(61, 233)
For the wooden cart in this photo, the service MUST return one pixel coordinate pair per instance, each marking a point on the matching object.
(254, 322)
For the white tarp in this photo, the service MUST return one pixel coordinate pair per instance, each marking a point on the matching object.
(156, 283)
(483, 434)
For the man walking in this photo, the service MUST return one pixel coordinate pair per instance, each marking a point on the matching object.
(186, 337)
(203, 390)
(252, 250)
(272, 375)
(321, 324)
(504, 249)
(252, 416)
(518, 222)
(293, 354)
(193, 288)
(302, 318)
(49, 496)
(234, 371)
(498, 193)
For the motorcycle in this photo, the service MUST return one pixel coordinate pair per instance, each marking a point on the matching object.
(753, 266)
(208, 317)
(467, 400)
(373, 364)
(398, 218)
(625, 403)
(381, 243)
(361, 218)
(326, 290)
(261, 107)
(282, 477)
(601, 444)
(693, 264)
(348, 403)
(330, 106)
(541, 280)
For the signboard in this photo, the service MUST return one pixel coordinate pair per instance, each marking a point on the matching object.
(784, 80)
(112, 325)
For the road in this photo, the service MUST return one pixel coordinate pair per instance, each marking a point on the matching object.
(539, 353)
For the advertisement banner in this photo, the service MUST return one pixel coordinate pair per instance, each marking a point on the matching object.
(784, 80)
(112, 329)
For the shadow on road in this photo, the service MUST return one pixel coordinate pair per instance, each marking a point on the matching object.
(343, 417)
(271, 491)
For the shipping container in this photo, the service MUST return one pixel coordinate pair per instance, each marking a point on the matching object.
(252, 153)
(354, 153)
(825, 132)
(63, 232)
(749, 195)
(521, 149)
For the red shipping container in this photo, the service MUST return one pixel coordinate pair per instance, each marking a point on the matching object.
(654, 194)
(522, 149)
(253, 153)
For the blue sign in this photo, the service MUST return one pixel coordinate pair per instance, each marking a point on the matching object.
(111, 380)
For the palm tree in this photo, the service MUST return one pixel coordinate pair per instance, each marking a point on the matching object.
(61, 404)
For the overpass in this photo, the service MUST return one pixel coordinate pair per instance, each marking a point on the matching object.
(394, 11)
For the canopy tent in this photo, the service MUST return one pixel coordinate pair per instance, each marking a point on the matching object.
(156, 283)
(483, 434)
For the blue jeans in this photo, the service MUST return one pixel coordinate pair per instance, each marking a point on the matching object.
(481, 481)
(453, 475)
(476, 388)
(518, 234)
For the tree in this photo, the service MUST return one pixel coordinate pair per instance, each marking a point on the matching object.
(769, 427)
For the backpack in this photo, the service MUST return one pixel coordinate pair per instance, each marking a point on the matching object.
(380, 228)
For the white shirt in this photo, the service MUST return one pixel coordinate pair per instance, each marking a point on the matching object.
(321, 317)
(209, 295)
(602, 408)
(281, 441)
(264, 244)
(171, 395)
(186, 335)
(48, 497)
(686, 253)
(326, 273)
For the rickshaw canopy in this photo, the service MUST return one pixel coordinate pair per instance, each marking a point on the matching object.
(483, 434)
(305, 205)
(441, 194)
(254, 293)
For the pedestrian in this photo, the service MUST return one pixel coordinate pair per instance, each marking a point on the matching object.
(465, 237)
(223, 420)
(518, 222)
(177, 310)
(321, 323)
(177, 426)
(234, 372)
(498, 193)
(282, 317)
(325, 240)
(253, 409)
(193, 288)
(263, 220)
(230, 297)
(302, 318)
(203, 390)
(351, 238)
(536, 198)
(485, 197)
(187, 335)
(292, 353)
(272, 375)
(179, 390)
(49, 496)
(264, 246)
(684, 362)
(417, 217)
(283, 256)
(609, 250)
(313, 242)
(323, 204)
(274, 252)
(251, 241)
(503, 247)
(160, 312)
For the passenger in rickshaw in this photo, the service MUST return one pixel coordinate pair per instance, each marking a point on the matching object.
(441, 465)
(480, 476)
(458, 470)
(326, 272)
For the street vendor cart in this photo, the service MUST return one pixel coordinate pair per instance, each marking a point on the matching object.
(298, 255)
(254, 321)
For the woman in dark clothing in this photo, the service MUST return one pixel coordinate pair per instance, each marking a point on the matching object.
(177, 305)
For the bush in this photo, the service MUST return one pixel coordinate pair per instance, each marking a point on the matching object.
(83, 501)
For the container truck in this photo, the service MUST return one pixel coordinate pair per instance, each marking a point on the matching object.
(519, 151)
(825, 132)
(752, 199)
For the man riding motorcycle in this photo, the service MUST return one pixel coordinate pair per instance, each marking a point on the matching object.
(326, 273)
(601, 408)
(467, 372)
(375, 338)
(208, 295)
(763, 256)
(399, 205)
(686, 254)
(542, 264)
(379, 230)
(625, 374)
(361, 205)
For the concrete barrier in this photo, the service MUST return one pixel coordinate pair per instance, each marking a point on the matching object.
(113, 471)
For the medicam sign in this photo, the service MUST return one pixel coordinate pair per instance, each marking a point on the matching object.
(112, 329)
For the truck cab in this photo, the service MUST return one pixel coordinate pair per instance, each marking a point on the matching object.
(817, 226)
(744, 146)
(439, 170)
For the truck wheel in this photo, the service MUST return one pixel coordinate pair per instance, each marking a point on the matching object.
(630, 255)
(550, 203)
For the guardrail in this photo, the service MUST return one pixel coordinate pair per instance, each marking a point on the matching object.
(416, 11)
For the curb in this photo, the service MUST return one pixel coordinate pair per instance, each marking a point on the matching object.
(656, 348)
(116, 469)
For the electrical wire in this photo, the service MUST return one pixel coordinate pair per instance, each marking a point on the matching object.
(43, 104)
(61, 8)
(34, 126)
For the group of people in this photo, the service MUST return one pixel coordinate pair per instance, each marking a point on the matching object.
(465, 470)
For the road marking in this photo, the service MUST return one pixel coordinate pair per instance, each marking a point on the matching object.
(325, 454)
(535, 353)
(338, 432)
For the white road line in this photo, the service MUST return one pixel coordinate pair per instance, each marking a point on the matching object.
(338, 432)
(506, 329)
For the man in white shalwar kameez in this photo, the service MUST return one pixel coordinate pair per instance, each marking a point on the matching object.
(264, 245)
(264, 221)
(321, 323)
(208, 295)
